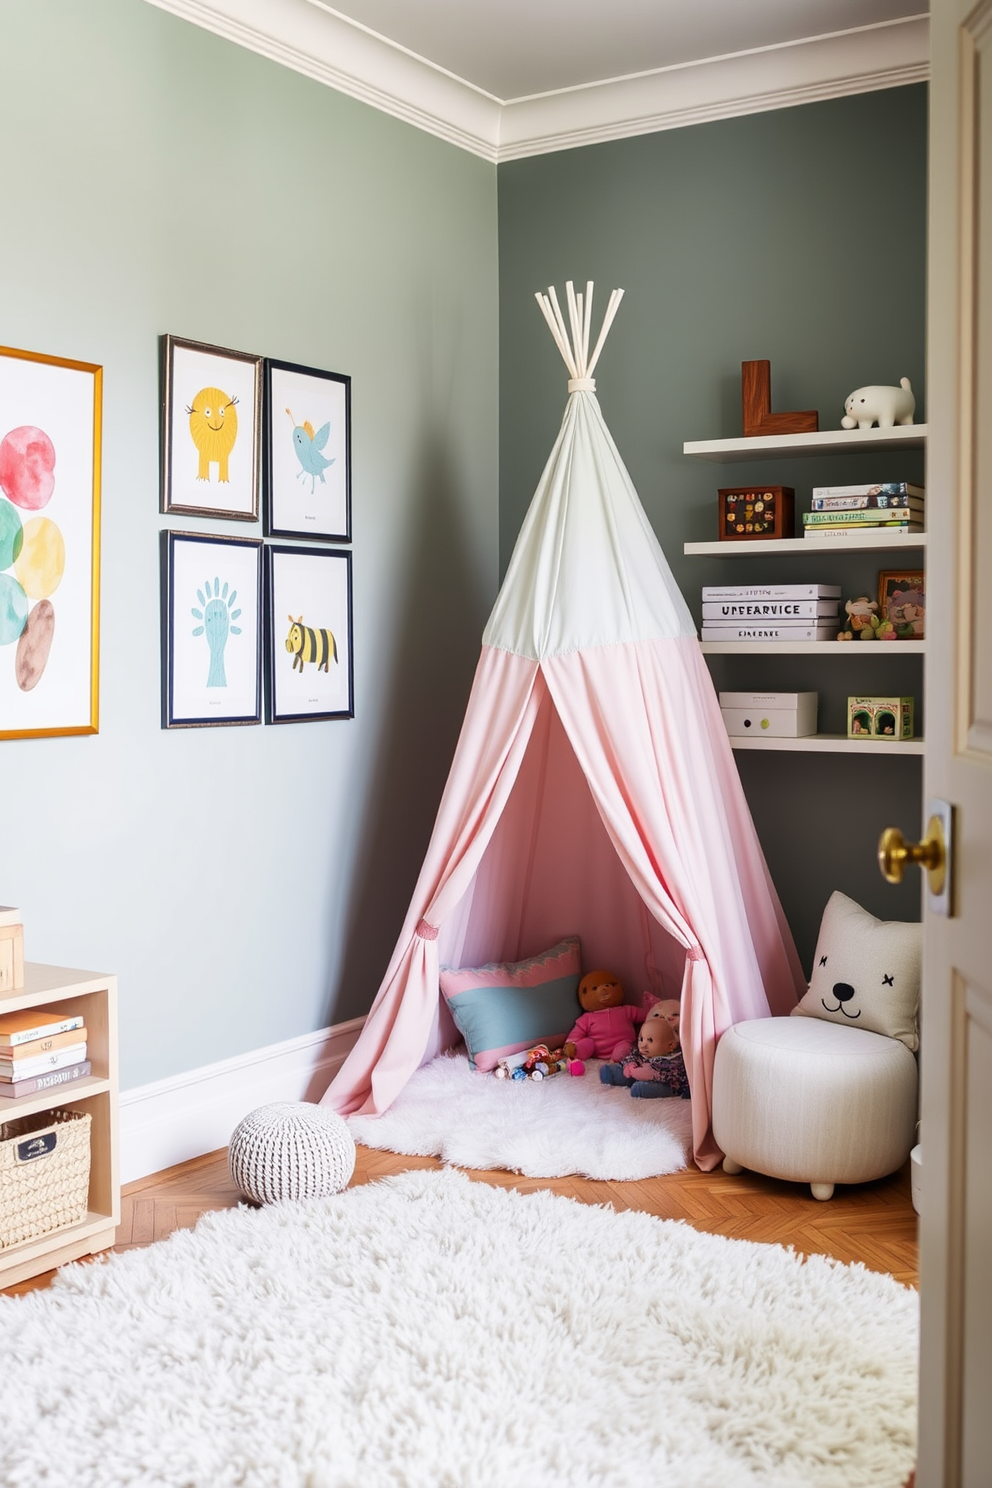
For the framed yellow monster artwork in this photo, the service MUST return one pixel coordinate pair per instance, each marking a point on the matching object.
(211, 430)
(50, 422)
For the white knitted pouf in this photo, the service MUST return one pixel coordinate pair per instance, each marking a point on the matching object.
(291, 1150)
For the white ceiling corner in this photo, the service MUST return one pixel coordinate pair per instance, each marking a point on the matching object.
(320, 42)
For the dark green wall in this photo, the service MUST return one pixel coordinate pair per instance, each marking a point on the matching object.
(799, 236)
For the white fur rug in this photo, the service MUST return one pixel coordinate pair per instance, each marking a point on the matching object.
(541, 1128)
(431, 1332)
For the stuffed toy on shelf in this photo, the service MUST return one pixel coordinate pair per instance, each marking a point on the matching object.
(607, 1028)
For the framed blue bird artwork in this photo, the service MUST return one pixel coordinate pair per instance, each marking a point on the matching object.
(307, 454)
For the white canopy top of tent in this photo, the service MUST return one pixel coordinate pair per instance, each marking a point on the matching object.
(587, 569)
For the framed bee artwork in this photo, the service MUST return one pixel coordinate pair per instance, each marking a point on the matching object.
(211, 630)
(211, 430)
(307, 453)
(309, 665)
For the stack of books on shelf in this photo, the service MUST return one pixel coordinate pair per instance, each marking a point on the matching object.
(771, 612)
(839, 510)
(40, 1049)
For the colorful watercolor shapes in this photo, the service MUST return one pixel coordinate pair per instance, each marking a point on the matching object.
(217, 615)
(213, 428)
(27, 467)
(34, 550)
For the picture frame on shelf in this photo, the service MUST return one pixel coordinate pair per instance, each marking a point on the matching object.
(307, 453)
(50, 439)
(309, 643)
(211, 630)
(902, 599)
(211, 430)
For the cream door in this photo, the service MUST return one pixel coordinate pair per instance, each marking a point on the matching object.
(956, 1131)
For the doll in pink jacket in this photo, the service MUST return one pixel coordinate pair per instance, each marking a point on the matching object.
(608, 1026)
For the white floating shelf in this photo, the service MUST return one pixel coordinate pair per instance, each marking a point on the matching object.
(828, 543)
(832, 744)
(813, 648)
(827, 441)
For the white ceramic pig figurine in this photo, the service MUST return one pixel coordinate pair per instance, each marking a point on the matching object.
(883, 406)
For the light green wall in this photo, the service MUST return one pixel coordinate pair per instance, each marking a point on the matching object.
(247, 884)
(797, 236)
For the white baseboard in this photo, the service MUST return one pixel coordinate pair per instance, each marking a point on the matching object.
(171, 1121)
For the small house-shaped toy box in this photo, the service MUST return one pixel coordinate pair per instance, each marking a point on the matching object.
(880, 718)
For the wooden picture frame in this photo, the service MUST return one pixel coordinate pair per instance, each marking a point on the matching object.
(211, 430)
(50, 447)
(902, 599)
(307, 453)
(211, 630)
(308, 622)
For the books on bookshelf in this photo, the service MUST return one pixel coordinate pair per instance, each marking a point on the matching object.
(770, 591)
(28, 1065)
(899, 506)
(797, 612)
(36, 1044)
(13, 1090)
(897, 497)
(35, 1023)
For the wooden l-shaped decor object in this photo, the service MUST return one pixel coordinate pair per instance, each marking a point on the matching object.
(756, 405)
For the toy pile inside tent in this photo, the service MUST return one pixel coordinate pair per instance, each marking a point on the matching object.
(593, 791)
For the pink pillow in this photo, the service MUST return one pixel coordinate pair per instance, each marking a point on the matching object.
(508, 1006)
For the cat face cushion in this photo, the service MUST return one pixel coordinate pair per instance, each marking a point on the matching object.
(866, 972)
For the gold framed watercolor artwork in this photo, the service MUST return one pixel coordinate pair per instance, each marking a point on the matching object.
(211, 430)
(50, 430)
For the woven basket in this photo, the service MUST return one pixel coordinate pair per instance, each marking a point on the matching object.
(44, 1174)
(291, 1150)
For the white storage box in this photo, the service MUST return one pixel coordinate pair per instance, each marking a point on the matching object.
(774, 715)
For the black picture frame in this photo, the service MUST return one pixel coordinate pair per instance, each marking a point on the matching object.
(309, 667)
(306, 452)
(211, 594)
(192, 447)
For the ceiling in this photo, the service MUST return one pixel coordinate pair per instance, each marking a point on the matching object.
(511, 78)
(514, 49)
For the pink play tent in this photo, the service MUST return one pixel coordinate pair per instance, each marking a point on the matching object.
(593, 790)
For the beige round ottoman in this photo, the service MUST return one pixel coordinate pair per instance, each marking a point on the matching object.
(812, 1101)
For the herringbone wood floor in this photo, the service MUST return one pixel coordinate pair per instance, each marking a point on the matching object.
(874, 1223)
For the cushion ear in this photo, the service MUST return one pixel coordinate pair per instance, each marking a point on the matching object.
(866, 972)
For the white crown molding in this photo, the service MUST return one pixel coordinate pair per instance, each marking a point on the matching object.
(322, 45)
(753, 82)
(311, 38)
(174, 1120)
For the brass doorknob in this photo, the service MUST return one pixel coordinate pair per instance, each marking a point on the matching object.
(894, 852)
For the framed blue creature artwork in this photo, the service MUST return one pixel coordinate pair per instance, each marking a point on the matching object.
(211, 630)
(307, 453)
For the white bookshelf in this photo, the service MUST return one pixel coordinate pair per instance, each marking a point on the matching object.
(856, 542)
(814, 648)
(793, 446)
(831, 744)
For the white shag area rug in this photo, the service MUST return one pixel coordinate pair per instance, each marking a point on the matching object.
(540, 1128)
(428, 1331)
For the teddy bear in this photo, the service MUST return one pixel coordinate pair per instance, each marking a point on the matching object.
(607, 1028)
(656, 1068)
